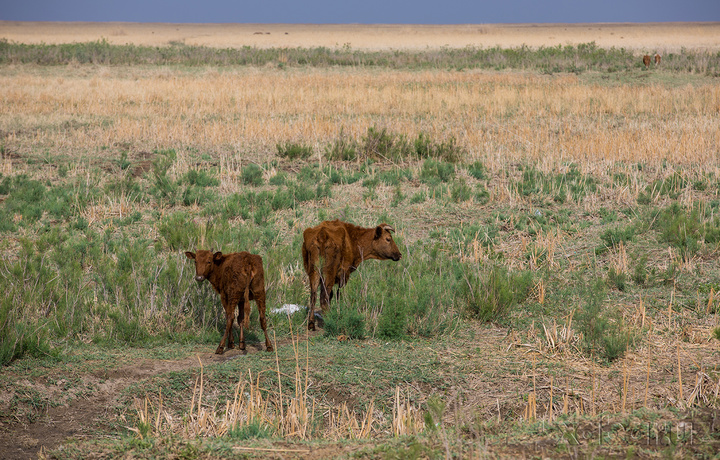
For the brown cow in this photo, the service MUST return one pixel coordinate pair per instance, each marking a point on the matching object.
(657, 59)
(342, 246)
(646, 60)
(238, 278)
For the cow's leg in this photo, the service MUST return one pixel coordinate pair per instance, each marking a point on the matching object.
(314, 278)
(325, 293)
(260, 301)
(244, 310)
(241, 322)
(229, 307)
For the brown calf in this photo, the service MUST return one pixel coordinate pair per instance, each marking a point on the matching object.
(657, 59)
(646, 60)
(342, 246)
(238, 278)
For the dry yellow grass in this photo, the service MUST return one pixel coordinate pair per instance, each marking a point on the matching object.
(243, 113)
(649, 37)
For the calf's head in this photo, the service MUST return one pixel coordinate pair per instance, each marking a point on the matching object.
(205, 261)
(384, 245)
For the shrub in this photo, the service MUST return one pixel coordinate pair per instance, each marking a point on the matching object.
(254, 429)
(392, 321)
(18, 337)
(686, 230)
(612, 237)
(179, 230)
(163, 187)
(491, 297)
(252, 174)
(418, 197)
(311, 173)
(123, 161)
(278, 179)
(434, 171)
(29, 198)
(477, 170)
(460, 191)
(200, 178)
(394, 176)
(262, 214)
(670, 186)
(447, 150)
(398, 196)
(342, 148)
(342, 320)
(323, 191)
(294, 151)
(380, 144)
(604, 332)
(482, 195)
(195, 195)
(640, 271)
(617, 278)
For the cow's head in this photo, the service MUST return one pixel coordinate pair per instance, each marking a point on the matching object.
(205, 261)
(384, 245)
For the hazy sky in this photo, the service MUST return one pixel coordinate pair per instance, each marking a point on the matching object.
(365, 11)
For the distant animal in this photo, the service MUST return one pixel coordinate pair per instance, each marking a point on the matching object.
(646, 60)
(657, 59)
(239, 278)
(342, 246)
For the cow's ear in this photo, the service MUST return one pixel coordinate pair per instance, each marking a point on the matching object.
(378, 231)
(190, 255)
(217, 257)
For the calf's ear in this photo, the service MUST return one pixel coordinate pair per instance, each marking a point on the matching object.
(190, 255)
(378, 231)
(217, 256)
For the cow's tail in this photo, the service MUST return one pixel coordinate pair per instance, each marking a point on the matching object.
(311, 252)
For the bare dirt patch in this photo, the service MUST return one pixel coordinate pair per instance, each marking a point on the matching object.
(83, 416)
(662, 37)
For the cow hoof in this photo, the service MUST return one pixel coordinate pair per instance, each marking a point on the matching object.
(242, 346)
(311, 327)
(269, 349)
(219, 351)
(230, 346)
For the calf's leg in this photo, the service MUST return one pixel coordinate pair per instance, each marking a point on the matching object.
(314, 278)
(241, 322)
(229, 306)
(260, 301)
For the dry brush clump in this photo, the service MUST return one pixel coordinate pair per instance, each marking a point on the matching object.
(255, 410)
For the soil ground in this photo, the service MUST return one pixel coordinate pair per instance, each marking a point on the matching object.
(493, 371)
(84, 416)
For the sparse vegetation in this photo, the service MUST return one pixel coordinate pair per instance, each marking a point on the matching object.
(551, 60)
(294, 151)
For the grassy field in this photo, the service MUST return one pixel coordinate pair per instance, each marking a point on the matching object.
(557, 214)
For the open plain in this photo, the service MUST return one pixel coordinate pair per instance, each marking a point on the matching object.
(649, 37)
(555, 201)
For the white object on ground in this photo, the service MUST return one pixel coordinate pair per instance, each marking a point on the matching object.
(288, 309)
